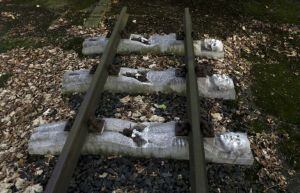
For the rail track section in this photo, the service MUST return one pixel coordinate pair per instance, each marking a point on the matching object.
(69, 156)
(106, 135)
(197, 159)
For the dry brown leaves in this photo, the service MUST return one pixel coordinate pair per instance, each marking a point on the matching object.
(137, 108)
(9, 15)
(81, 31)
(264, 148)
(31, 97)
(263, 144)
(155, 62)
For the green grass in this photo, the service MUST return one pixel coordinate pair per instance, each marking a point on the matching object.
(281, 11)
(3, 78)
(11, 43)
(74, 44)
(258, 126)
(276, 87)
(56, 4)
(290, 146)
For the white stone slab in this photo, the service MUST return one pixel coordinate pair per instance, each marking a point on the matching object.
(157, 44)
(216, 86)
(161, 142)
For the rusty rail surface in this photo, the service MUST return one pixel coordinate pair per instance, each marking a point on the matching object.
(68, 159)
(198, 176)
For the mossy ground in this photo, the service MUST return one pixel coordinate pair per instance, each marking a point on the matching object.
(289, 145)
(276, 77)
(3, 78)
(56, 4)
(276, 87)
(40, 18)
(283, 11)
(19, 42)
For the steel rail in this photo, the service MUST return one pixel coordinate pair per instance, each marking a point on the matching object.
(69, 156)
(198, 176)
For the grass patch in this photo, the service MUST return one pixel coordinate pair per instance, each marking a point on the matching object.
(276, 86)
(258, 126)
(3, 78)
(281, 11)
(290, 145)
(11, 43)
(56, 4)
(74, 44)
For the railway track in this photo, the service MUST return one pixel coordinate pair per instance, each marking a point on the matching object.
(70, 154)
(197, 160)
(85, 121)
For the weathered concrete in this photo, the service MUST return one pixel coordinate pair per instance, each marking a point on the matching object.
(157, 44)
(216, 86)
(160, 142)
